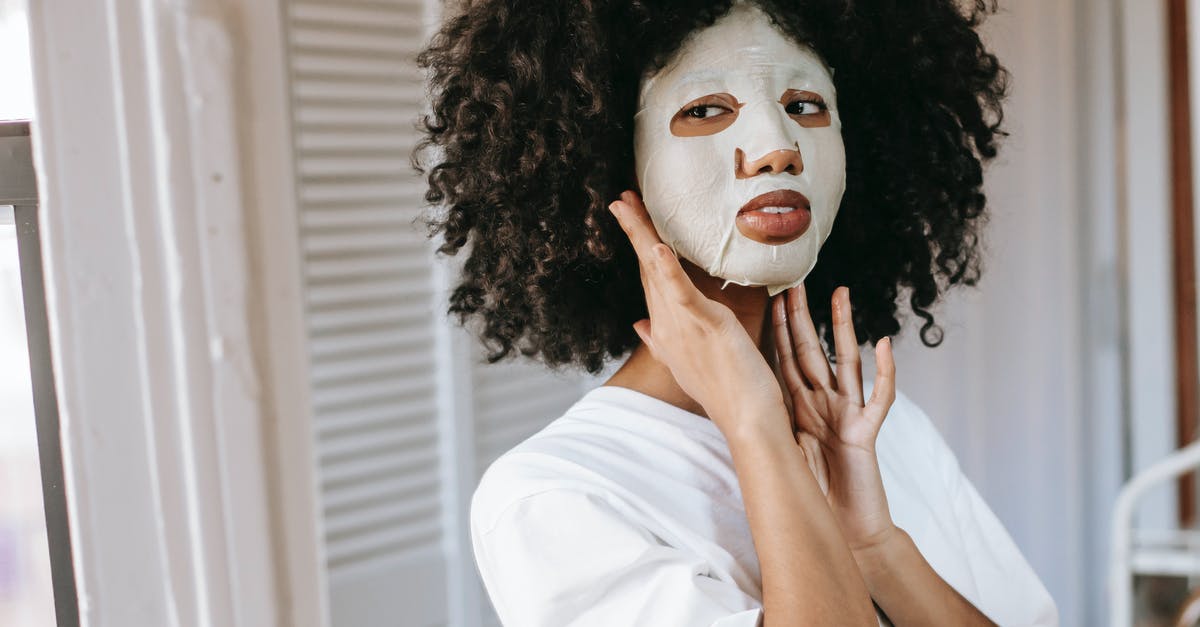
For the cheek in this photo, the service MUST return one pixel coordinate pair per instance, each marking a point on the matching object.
(825, 160)
(685, 166)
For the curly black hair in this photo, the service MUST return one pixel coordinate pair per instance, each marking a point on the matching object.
(531, 131)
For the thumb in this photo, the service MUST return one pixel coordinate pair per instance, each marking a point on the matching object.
(642, 328)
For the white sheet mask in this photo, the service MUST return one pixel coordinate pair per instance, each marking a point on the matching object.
(691, 184)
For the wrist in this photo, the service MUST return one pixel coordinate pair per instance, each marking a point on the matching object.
(884, 555)
(755, 425)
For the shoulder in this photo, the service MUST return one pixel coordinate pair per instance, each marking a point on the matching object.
(550, 462)
(519, 474)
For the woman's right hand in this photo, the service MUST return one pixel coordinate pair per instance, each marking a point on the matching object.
(808, 573)
(708, 351)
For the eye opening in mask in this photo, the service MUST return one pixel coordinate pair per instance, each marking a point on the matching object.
(686, 123)
(808, 119)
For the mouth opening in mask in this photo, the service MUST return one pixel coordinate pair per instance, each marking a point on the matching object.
(775, 218)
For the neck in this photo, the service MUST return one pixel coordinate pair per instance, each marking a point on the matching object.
(645, 374)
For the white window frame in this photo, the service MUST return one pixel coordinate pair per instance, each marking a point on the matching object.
(174, 308)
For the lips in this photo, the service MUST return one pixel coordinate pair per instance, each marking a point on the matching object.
(775, 218)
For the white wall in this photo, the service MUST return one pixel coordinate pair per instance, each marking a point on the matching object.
(1027, 386)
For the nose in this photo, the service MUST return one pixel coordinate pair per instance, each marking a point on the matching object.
(774, 162)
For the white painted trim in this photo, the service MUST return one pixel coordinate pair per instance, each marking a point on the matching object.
(457, 451)
(155, 315)
(283, 329)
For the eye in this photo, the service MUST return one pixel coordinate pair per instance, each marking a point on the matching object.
(805, 107)
(704, 111)
(706, 115)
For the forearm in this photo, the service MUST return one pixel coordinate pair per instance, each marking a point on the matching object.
(809, 575)
(907, 588)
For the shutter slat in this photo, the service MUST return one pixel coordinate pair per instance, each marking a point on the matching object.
(380, 117)
(353, 39)
(350, 13)
(397, 439)
(352, 328)
(317, 142)
(358, 496)
(361, 471)
(367, 94)
(397, 239)
(381, 168)
(389, 364)
(415, 507)
(333, 424)
(314, 220)
(314, 65)
(326, 194)
(326, 270)
(325, 296)
(389, 540)
(361, 393)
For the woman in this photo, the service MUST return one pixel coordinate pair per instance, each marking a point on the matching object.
(725, 474)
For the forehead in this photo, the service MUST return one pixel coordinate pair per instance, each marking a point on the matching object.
(741, 46)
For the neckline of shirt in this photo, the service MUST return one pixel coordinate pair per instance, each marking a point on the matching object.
(642, 403)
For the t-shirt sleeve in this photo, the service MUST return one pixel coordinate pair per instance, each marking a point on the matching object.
(564, 557)
(988, 568)
(1010, 593)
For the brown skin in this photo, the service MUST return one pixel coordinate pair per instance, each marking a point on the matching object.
(801, 436)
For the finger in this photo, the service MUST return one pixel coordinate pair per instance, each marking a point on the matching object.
(884, 392)
(812, 359)
(849, 364)
(815, 458)
(627, 216)
(792, 376)
(645, 263)
(804, 414)
(636, 223)
(673, 282)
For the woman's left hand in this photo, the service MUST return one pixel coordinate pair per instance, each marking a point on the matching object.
(829, 407)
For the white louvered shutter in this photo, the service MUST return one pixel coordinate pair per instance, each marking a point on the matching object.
(370, 292)
(356, 93)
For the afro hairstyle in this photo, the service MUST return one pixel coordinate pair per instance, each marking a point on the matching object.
(529, 137)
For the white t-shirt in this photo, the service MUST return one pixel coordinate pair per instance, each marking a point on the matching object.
(626, 511)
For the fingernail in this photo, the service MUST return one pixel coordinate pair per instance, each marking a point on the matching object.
(614, 207)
